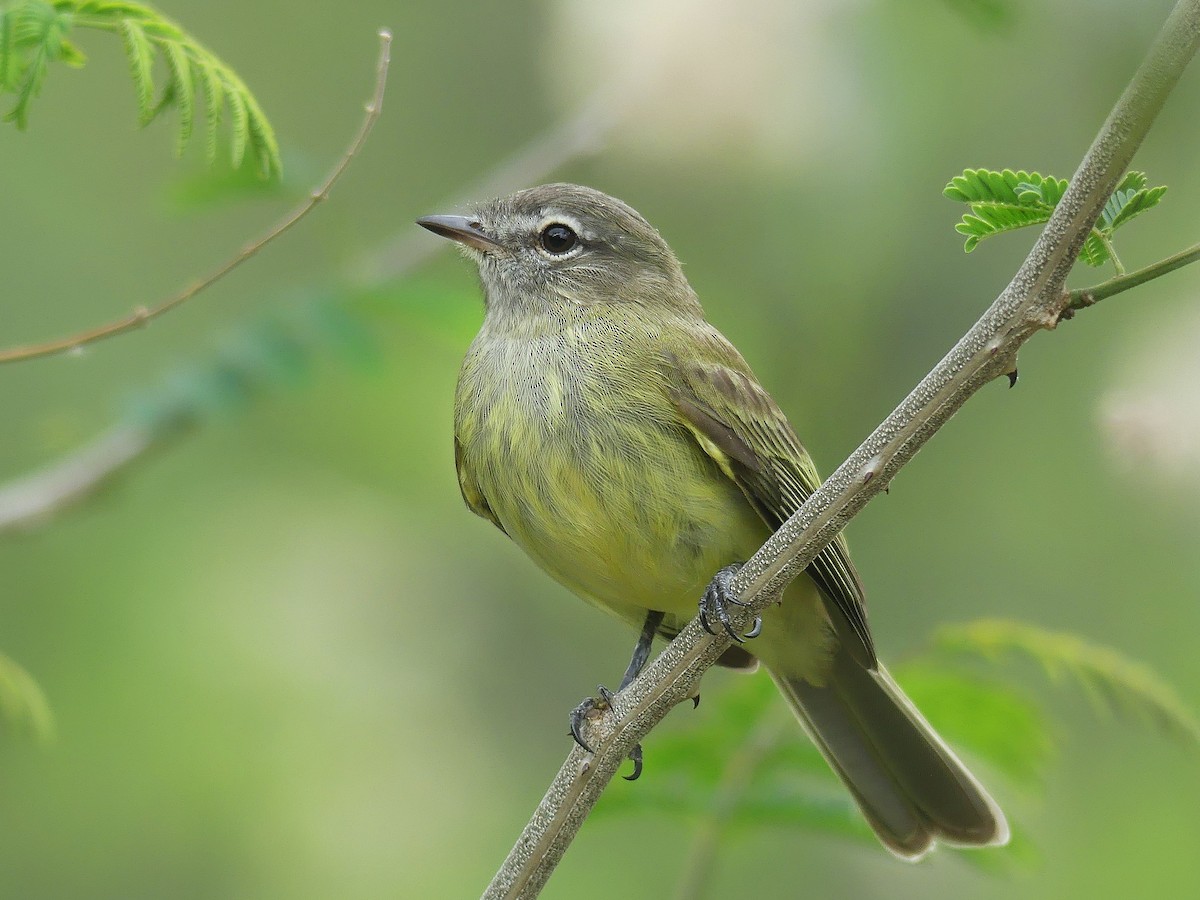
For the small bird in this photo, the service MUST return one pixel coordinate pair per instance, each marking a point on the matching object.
(624, 444)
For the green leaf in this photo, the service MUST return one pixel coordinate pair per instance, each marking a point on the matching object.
(1007, 200)
(214, 103)
(239, 128)
(33, 34)
(1130, 199)
(181, 76)
(9, 69)
(141, 63)
(23, 706)
(1112, 681)
(1002, 201)
(71, 55)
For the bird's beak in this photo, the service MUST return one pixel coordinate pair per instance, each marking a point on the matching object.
(460, 228)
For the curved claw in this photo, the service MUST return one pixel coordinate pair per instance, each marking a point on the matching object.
(716, 602)
(578, 716)
(635, 755)
(755, 629)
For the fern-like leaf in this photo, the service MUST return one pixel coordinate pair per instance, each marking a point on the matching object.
(1130, 199)
(141, 64)
(32, 35)
(23, 706)
(1114, 682)
(214, 102)
(1008, 200)
(1002, 201)
(185, 94)
(239, 127)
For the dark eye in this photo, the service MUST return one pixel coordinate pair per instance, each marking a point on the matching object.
(558, 239)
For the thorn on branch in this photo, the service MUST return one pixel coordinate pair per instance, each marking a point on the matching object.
(871, 469)
(1012, 379)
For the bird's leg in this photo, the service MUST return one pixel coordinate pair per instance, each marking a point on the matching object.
(716, 602)
(641, 652)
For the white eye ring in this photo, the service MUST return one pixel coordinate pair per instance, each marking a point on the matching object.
(558, 237)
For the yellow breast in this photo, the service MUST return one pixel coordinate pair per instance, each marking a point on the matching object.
(573, 443)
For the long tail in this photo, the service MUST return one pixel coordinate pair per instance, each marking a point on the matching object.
(910, 786)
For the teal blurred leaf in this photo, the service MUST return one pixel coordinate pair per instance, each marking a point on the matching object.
(284, 347)
(1112, 681)
(23, 706)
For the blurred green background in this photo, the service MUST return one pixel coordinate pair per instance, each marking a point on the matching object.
(286, 662)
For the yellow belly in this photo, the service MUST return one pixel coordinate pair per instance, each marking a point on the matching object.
(590, 471)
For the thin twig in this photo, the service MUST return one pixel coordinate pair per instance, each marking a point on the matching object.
(144, 314)
(1082, 298)
(1033, 301)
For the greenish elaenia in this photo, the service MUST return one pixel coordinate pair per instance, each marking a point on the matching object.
(624, 444)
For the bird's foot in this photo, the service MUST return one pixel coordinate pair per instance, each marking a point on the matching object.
(593, 706)
(715, 603)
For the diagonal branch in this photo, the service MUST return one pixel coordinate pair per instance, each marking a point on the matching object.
(144, 314)
(1033, 301)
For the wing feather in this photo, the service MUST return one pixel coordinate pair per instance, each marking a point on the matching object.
(737, 423)
(471, 493)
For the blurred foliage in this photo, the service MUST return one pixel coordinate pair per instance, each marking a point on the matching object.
(1008, 200)
(989, 15)
(33, 34)
(747, 765)
(284, 347)
(239, 641)
(1113, 682)
(23, 706)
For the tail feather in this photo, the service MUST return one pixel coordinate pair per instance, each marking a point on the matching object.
(911, 787)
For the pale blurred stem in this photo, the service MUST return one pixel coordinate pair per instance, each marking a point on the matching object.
(735, 780)
(1033, 301)
(25, 502)
(1085, 297)
(577, 135)
(144, 314)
